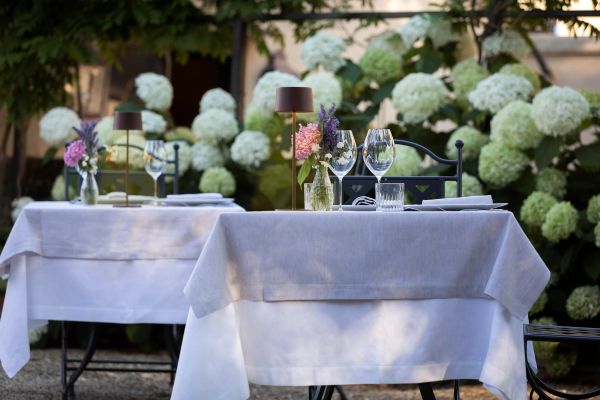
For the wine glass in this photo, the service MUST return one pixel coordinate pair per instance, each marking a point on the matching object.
(155, 161)
(343, 158)
(379, 151)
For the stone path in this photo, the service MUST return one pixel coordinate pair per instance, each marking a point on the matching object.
(40, 380)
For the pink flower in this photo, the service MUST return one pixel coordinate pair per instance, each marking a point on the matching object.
(307, 141)
(74, 153)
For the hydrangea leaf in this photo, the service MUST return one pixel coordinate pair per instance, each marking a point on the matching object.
(546, 151)
(429, 62)
(588, 155)
(591, 264)
(350, 72)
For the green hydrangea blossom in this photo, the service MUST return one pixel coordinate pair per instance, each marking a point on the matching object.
(217, 180)
(593, 98)
(552, 181)
(470, 187)
(514, 126)
(525, 72)
(255, 120)
(597, 234)
(560, 222)
(593, 209)
(274, 184)
(390, 41)
(584, 303)
(560, 364)
(473, 139)
(380, 65)
(465, 77)
(539, 304)
(418, 96)
(181, 133)
(544, 350)
(500, 165)
(406, 163)
(535, 208)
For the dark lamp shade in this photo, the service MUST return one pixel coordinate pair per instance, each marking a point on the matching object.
(128, 120)
(294, 99)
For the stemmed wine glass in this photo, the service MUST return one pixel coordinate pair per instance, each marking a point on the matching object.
(379, 151)
(343, 158)
(155, 161)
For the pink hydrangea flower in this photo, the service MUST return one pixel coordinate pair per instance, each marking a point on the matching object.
(74, 153)
(307, 141)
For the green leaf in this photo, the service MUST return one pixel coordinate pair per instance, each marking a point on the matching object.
(350, 72)
(546, 151)
(383, 92)
(304, 172)
(591, 264)
(49, 155)
(429, 62)
(588, 156)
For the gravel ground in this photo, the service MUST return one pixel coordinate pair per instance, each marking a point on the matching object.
(40, 380)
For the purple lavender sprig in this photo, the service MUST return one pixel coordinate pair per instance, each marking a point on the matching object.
(330, 124)
(88, 135)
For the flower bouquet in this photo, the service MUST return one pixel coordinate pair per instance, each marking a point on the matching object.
(83, 154)
(315, 143)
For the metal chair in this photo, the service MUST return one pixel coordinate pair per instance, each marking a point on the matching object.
(420, 188)
(170, 332)
(546, 333)
(162, 187)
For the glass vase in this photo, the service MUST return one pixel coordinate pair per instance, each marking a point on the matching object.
(89, 189)
(321, 195)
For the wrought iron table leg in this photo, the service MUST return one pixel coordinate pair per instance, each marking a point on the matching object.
(63, 359)
(341, 392)
(170, 333)
(69, 387)
(456, 390)
(426, 391)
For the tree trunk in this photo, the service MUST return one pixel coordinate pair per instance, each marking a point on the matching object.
(16, 171)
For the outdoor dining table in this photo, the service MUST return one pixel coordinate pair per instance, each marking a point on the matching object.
(338, 298)
(70, 262)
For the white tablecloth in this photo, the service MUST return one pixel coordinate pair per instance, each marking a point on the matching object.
(253, 319)
(97, 264)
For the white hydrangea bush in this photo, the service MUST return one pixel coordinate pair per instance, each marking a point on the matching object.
(217, 99)
(326, 90)
(558, 111)
(323, 49)
(418, 96)
(496, 91)
(205, 155)
(263, 95)
(215, 126)
(56, 126)
(250, 149)
(153, 122)
(154, 90)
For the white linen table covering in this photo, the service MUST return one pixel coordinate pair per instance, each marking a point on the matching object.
(278, 256)
(97, 264)
(432, 296)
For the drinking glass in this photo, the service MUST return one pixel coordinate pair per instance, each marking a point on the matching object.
(379, 151)
(343, 158)
(155, 161)
(389, 196)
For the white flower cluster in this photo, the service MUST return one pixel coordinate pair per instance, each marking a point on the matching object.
(205, 155)
(217, 99)
(58, 189)
(263, 95)
(56, 126)
(153, 122)
(154, 90)
(325, 90)
(557, 111)
(323, 49)
(440, 31)
(418, 96)
(137, 142)
(391, 42)
(508, 42)
(514, 125)
(496, 91)
(184, 154)
(215, 126)
(18, 205)
(414, 29)
(250, 149)
(104, 127)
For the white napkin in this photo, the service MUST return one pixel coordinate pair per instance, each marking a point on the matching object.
(487, 199)
(196, 196)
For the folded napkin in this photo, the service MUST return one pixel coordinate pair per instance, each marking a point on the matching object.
(487, 199)
(196, 196)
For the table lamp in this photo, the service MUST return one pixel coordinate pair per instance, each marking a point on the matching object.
(294, 99)
(126, 121)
